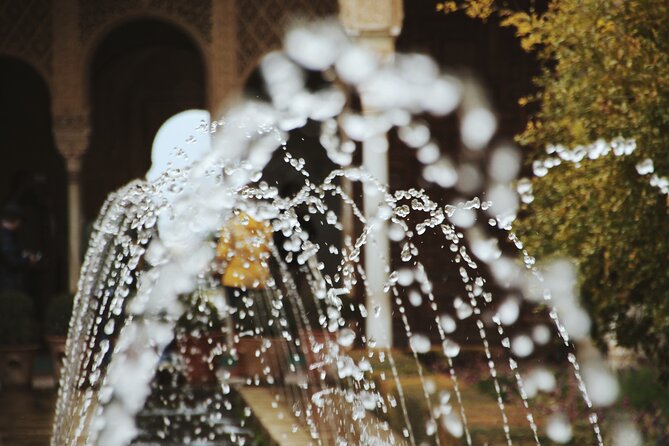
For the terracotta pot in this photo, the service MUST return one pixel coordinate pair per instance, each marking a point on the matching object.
(16, 364)
(251, 363)
(198, 354)
(248, 364)
(57, 352)
(315, 353)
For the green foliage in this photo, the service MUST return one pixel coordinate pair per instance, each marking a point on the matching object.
(644, 400)
(413, 398)
(404, 364)
(606, 65)
(605, 74)
(202, 313)
(643, 391)
(58, 314)
(17, 319)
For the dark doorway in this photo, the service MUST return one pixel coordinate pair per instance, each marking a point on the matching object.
(141, 74)
(492, 56)
(32, 174)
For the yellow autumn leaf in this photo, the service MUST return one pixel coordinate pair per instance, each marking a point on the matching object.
(479, 9)
(605, 25)
(447, 7)
(528, 42)
(519, 20)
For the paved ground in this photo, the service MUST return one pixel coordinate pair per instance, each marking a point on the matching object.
(25, 416)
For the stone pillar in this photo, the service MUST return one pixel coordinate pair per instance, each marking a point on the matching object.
(71, 134)
(71, 127)
(375, 24)
(223, 73)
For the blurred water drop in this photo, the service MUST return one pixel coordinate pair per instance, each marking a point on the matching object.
(428, 154)
(453, 424)
(522, 346)
(541, 334)
(504, 164)
(508, 311)
(442, 172)
(346, 337)
(415, 298)
(415, 135)
(626, 434)
(451, 349)
(558, 428)
(420, 343)
(477, 127)
(356, 64)
(447, 323)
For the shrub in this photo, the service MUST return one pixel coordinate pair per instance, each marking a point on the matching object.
(58, 314)
(604, 74)
(17, 319)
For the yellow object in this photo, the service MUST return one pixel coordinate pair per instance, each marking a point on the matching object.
(244, 245)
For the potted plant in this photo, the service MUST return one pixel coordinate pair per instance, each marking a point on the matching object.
(57, 322)
(200, 337)
(18, 338)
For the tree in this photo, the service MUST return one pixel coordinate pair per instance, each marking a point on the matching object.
(605, 74)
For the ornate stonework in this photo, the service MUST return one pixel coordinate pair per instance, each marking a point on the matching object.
(195, 12)
(96, 13)
(373, 23)
(72, 135)
(372, 16)
(26, 32)
(262, 23)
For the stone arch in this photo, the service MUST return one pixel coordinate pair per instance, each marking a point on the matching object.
(142, 72)
(34, 174)
(114, 24)
(34, 63)
(26, 33)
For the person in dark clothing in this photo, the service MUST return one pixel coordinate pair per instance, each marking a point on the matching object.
(15, 262)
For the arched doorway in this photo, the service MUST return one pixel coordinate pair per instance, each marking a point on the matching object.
(142, 73)
(32, 173)
(482, 51)
(492, 56)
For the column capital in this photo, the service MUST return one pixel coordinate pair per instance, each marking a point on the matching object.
(372, 18)
(72, 134)
(373, 23)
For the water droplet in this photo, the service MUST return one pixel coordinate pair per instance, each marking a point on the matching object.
(420, 343)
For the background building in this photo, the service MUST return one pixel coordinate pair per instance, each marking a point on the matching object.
(85, 85)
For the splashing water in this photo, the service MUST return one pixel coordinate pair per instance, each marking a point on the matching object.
(162, 327)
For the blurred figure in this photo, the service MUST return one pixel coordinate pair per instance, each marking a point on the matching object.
(244, 251)
(15, 262)
(244, 248)
(33, 193)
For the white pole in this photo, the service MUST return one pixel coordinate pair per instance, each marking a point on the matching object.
(375, 24)
(74, 229)
(379, 321)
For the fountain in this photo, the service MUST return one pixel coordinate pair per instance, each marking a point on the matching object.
(167, 346)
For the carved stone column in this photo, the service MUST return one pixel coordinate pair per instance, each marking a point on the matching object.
(375, 24)
(72, 136)
(223, 77)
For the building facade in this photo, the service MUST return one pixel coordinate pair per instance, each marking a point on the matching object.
(76, 50)
(85, 85)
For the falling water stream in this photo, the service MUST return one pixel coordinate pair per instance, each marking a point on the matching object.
(151, 310)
